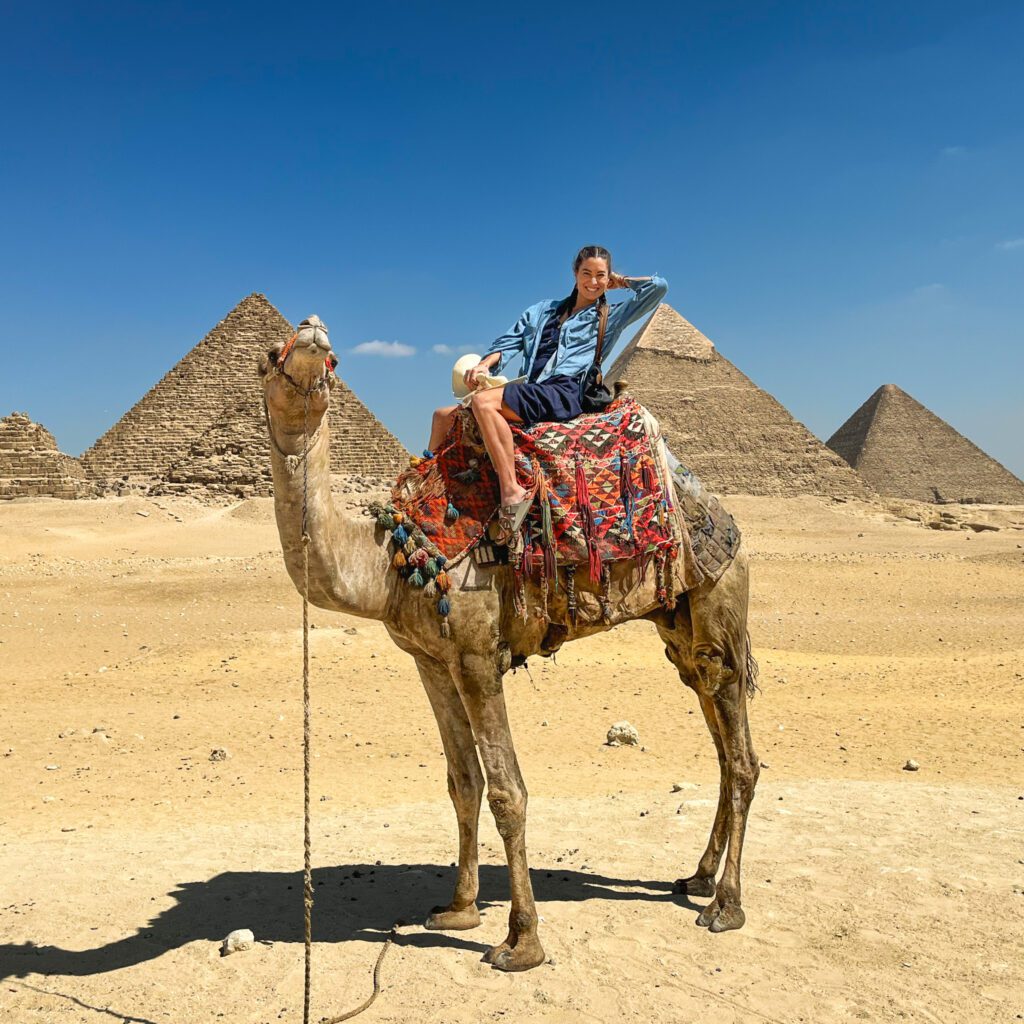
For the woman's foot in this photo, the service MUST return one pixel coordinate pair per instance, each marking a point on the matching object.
(511, 514)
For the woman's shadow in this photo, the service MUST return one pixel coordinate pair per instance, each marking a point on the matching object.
(356, 901)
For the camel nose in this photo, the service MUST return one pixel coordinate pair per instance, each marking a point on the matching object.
(312, 333)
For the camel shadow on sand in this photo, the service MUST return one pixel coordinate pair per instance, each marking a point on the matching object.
(352, 902)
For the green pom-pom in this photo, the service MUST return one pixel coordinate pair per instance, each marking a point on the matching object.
(416, 579)
(385, 519)
(431, 567)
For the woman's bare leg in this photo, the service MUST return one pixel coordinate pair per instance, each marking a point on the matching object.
(440, 425)
(493, 417)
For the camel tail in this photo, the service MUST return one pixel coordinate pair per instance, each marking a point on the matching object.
(750, 671)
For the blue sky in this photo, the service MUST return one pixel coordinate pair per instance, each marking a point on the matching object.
(833, 191)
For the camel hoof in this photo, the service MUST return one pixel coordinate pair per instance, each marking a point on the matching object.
(728, 918)
(708, 915)
(494, 952)
(441, 919)
(695, 885)
(521, 957)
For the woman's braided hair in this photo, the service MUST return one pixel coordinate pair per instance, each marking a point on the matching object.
(588, 252)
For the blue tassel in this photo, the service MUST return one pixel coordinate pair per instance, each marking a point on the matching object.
(416, 579)
(441, 561)
(452, 513)
(444, 606)
(427, 453)
(400, 535)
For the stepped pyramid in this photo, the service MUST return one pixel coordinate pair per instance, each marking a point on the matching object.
(203, 422)
(737, 438)
(904, 450)
(31, 463)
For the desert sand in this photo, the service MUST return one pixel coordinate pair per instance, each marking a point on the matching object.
(137, 636)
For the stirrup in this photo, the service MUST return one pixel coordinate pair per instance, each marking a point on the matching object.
(510, 518)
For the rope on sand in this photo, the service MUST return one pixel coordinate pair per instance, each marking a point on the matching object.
(307, 874)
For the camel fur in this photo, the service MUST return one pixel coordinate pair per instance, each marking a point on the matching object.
(705, 638)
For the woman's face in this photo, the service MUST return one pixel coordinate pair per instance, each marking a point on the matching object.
(592, 278)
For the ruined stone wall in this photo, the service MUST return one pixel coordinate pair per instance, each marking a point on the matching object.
(32, 465)
(736, 437)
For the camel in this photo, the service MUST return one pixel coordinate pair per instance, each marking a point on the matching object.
(704, 633)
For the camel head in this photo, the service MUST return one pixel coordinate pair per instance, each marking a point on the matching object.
(294, 372)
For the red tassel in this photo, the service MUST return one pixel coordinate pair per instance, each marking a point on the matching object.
(587, 521)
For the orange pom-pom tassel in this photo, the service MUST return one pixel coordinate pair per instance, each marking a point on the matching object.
(399, 560)
(443, 582)
(399, 517)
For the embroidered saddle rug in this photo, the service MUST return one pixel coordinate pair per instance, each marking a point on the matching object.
(605, 490)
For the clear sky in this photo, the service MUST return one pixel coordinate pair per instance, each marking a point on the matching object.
(833, 190)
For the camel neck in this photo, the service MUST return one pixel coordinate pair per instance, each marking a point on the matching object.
(347, 568)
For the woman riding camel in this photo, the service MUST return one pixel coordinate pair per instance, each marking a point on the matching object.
(557, 340)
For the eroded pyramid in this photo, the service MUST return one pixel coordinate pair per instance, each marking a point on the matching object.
(31, 463)
(736, 437)
(203, 422)
(904, 450)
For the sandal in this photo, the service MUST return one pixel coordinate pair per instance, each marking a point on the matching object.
(510, 518)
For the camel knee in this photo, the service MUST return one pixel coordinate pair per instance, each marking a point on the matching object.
(508, 806)
(712, 670)
(743, 780)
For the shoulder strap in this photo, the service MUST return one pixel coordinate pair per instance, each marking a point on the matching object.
(602, 323)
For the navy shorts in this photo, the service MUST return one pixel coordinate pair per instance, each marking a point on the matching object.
(556, 399)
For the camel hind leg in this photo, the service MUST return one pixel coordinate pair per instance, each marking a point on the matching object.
(710, 651)
(465, 787)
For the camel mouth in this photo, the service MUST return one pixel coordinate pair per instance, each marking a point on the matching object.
(312, 336)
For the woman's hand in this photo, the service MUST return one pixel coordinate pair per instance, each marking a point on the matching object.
(617, 281)
(474, 373)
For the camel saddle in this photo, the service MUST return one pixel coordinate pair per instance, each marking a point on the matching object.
(605, 490)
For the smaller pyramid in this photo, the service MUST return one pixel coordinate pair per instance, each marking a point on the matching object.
(31, 464)
(202, 424)
(735, 436)
(904, 450)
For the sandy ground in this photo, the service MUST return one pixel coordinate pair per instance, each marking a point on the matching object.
(132, 645)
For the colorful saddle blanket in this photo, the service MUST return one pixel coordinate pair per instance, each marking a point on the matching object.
(599, 492)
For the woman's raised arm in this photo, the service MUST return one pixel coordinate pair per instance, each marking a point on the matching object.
(647, 295)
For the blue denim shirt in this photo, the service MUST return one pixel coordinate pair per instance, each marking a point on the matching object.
(577, 340)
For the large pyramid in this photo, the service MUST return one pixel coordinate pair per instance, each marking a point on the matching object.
(203, 422)
(737, 438)
(904, 450)
(31, 464)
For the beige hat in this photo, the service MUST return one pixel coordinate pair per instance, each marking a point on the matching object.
(467, 362)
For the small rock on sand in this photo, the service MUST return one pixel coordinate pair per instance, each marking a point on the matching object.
(622, 734)
(239, 939)
(219, 754)
(911, 766)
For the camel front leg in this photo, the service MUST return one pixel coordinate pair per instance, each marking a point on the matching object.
(484, 699)
(678, 649)
(742, 770)
(465, 787)
(702, 881)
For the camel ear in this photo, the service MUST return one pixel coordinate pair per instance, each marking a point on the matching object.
(269, 361)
